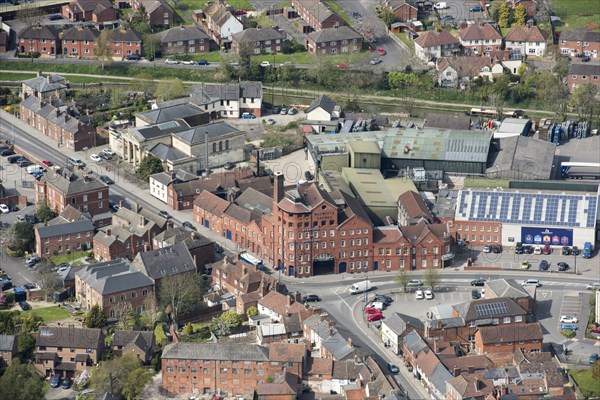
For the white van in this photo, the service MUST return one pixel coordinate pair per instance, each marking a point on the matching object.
(531, 282)
(360, 287)
(75, 161)
(34, 169)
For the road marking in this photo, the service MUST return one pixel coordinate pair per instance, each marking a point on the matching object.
(343, 301)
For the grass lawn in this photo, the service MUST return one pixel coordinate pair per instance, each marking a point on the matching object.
(17, 76)
(49, 314)
(590, 387)
(577, 14)
(89, 79)
(280, 58)
(65, 258)
(264, 21)
(212, 56)
(402, 36)
(200, 4)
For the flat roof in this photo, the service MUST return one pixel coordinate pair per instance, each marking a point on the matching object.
(367, 147)
(373, 189)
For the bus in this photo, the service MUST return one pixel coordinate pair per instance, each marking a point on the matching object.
(580, 170)
(491, 113)
(251, 260)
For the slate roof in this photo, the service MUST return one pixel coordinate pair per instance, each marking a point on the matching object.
(353, 207)
(436, 39)
(153, 5)
(215, 130)
(170, 113)
(468, 310)
(157, 130)
(210, 92)
(125, 35)
(506, 288)
(133, 219)
(7, 343)
(589, 68)
(414, 343)
(479, 32)
(69, 187)
(80, 33)
(581, 36)
(334, 34)
(510, 333)
(323, 101)
(218, 12)
(116, 233)
(439, 377)
(67, 117)
(47, 83)
(215, 351)
(531, 34)
(182, 33)
(317, 9)
(258, 35)
(142, 339)
(171, 260)
(165, 152)
(191, 239)
(79, 338)
(345, 370)
(68, 228)
(48, 32)
(166, 178)
(257, 203)
(398, 323)
(113, 276)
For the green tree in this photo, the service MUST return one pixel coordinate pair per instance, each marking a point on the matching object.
(179, 293)
(226, 323)
(21, 382)
(432, 278)
(151, 45)
(95, 318)
(388, 16)
(48, 278)
(519, 15)
(251, 311)
(168, 89)
(188, 329)
(140, 22)
(102, 51)
(44, 213)
(124, 376)
(504, 15)
(8, 322)
(583, 101)
(142, 82)
(25, 346)
(403, 277)
(19, 238)
(149, 165)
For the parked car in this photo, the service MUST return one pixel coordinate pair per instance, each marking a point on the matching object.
(475, 294)
(202, 62)
(62, 267)
(414, 283)
(271, 121)
(265, 64)
(392, 368)
(31, 218)
(569, 319)
(164, 214)
(308, 176)
(95, 158)
(574, 251)
(6, 153)
(292, 111)
(476, 9)
(276, 110)
(372, 310)
(497, 249)
(133, 57)
(487, 248)
(593, 358)
(13, 159)
(547, 249)
(440, 6)
(478, 282)
(378, 305)
(106, 179)
(527, 249)
(283, 111)
(55, 381)
(596, 330)
(229, 165)
(30, 286)
(309, 298)
(525, 264)
(188, 62)
(374, 317)
(482, 293)
(24, 163)
(247, 115)
(381, 51)
(47, 163)
(188, 224)
(108, 152)
(544, 265)
(4, 209)
(24, 306)
(67, 382)
(5, 285)
(566, 251)
(386, 300)
(537, 250)
(104, 156)
(375, 61)
(419, 295)
(55, 17)
(531, 282)
(428, 295)
(569, 327)
(562, 266)
(171, 61)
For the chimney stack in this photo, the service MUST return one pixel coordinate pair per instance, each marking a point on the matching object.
(108, 232)
(323, 316)
(456, 371)
(173, 175)
(350, 342)
(121, 203)
(471, 369)
(244, 269)
(278, 187)
(39, 73)
(141, 220)
(136, 208)
(170, 225)
(225, 260)
(146, 246)
(297, 296)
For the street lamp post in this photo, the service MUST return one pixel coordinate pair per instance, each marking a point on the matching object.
(575, 262)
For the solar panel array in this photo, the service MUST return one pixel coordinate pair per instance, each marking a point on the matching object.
(489, 309)
(553, 209)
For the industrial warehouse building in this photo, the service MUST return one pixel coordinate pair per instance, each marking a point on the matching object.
(521, 158)
(535, 213)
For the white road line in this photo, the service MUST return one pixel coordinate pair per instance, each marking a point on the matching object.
(343, 301)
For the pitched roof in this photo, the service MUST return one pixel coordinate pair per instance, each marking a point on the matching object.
(467, 66)
(182, 33)
(67, 228)
(166, 152)
(70, 187)
(116, 233)
(167, 178)
(258, 35)
(138, 222)
(436, 38)
(113, 276)
(522, 33)
(179, 234)
(334, 34)
(153, 5)
(416, 233)
(321, 366)
(349, 207)
(218, 12)
(80, 338)
(581, 36)
(80, 33)
(216, 129)
(510, 333)
(415, 205)
(488, 308)
(477, 362)
(211, 203)
(472, 385)
(46, 83)
(172, 112)
(215, 351)
(346, 370)
(317, 9)
(287, 352)
(39, 32)
(7, 343)
(386, 234)
(171, 260)
(279, 303)
(141, 339)
(415, 343)
(590, 68)
(479, 32)
(323, 101)
(506, 288)
(124, 35)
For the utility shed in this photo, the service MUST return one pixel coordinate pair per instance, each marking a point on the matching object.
(521, 157)
(513, 127)
(451, 151)
(364, 154)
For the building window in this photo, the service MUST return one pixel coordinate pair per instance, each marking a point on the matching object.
(518, 318)
(123, 296)
(111, 299)
(506, 320)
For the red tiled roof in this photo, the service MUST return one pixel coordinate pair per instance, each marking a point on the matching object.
(436, 38)
(479, 32)
(414, 205)
(527, 34)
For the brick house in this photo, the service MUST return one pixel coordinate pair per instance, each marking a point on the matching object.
(219, 23)
(322, 337)
(277, 306)
(158, 11)
(141, 343)
(341, 40)
(229, 369)
(480, 39)
(265, 40)
(412, 209)
(89, 10)
(8, 350)
(583, 74)
(403, 10)
(40, 39)
(44, 87)
(526, 41)
(435, 44)
(125, 42)
(510, 288)
(478, 233)
(201, 248)
(507, 338)
(63, 124)
(67, 351)
(167, 261)
(115, 286)
(79, 41)
(317, 15)
(85, 194)
(284, 387)
(235, 277)
(572, 43)
(60, 236)
(184, 40)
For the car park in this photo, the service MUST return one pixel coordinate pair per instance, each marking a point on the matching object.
(428, 295)
(247, 116)
(55, 381)
(5, 284)
(95, 158)
(483, 293)
(378, 305)
(531, 282)
(394, 369)
(574, 251)
(414, 283)
(496, 249)
(24, 306)
(475, 294)
(265, 64)
(372, 310)
(478, 282)
(309, 298)
(569, 327)
(13, 159)
(23, 162)
(4, 209)
(106, 179)
(276, 110)
(525, 264)
(544, 265)
(188, 224)
(6, 153)
(562, 266)
(104, 156)
(108, 151)
(547, 249)
(283, 111)
(164, 214)
(419, 295)
(386, 300)
(292, 111)
(569, 319)
(374, 317)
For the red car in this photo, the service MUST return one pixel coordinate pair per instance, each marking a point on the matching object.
(372, 310)
(596, 330)
(342, 66)
(547, 249)
(381, 51)
(374, 317)
(47, 163)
